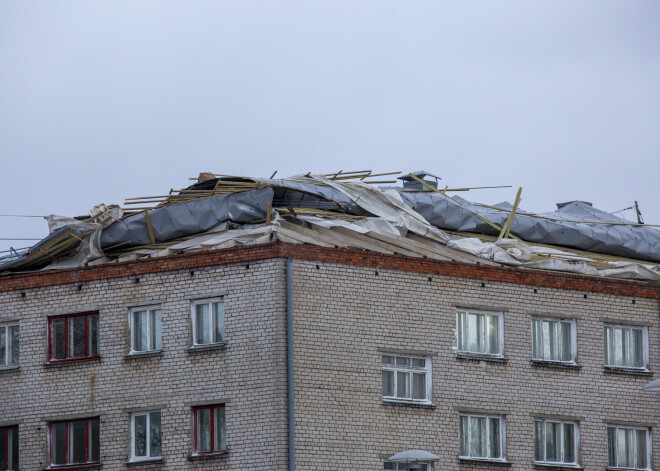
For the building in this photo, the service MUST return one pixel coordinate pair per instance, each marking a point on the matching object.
(290, 354)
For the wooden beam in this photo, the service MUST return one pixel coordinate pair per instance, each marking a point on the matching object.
(504, 233)
(151, 230)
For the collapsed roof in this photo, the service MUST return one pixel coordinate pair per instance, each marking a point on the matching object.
(351, 210)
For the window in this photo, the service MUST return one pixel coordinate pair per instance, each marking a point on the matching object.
(480, 332)
(145, 326)
(481, 437)
(209, 429)
(74, 442)
(74, 336)
(626, 347)
(406, 378)
(554, 340)
(405, 466)
(9, 448)
(555, 442)
(208, 320)
(629, 447)
(146, 437)
(8, 345)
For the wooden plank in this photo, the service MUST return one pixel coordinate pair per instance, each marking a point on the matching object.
(454, 254)
(370, 242)
(509, 221)
(149, 228)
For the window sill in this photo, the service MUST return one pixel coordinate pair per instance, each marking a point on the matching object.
(556, 466)
(75, 466)
(555, 364)
(9, 369)
(626, 371)
(155, 461)
(397, 402)
(481, 357)
(208, 456)
(206, 348)
(73, 361)
(505, 464)
(152, 353)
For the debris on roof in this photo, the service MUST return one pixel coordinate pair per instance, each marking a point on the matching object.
(358, 210)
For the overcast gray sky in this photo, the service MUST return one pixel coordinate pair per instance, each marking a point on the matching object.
(105, 100)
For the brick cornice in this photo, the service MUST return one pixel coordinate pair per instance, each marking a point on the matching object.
(569, 281)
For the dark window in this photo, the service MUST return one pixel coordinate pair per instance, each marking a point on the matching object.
(209, 429)
(74, 336)
(9, 448)
(74, 442)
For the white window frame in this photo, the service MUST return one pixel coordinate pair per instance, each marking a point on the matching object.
(4, 362)
(148, 457)
(500, 336)
(502, 420)
(131, 323)
(649, 445)
(573, 324)
(193, 316)
(645, 346)
(408, 370)
(576, 442)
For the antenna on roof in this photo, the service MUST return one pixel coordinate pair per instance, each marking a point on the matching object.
(639, 214)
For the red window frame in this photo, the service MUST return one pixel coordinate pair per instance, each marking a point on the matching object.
(4, 457)
(87, 421)
(66, 317)
(212, 429)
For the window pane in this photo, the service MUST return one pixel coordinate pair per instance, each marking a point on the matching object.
(93, 335)
(569, 443)
(13, 336)
(58, 339)
(402, 386)
(155, 448)
(219, 432)
(77, 441)
(12, 448)
(203, 430)
(418, 362)
(78, 336)
(549, 335)
(623, 448)
(538, 441)
(552, 442)
(388, 383)
(94, 440)
(620, 347)
(609, 347)
(140, 435)
(478, 437)
(388, 360)
(637, 348)
(402, 361)
(566, 342)
(388, 466)
(140, 331)
(460, 331)
(476, 333)
(156, 330)
(419, 386)
(611, 446)
(494, 437)
(537, 343)
(219, 313)
(493, 335)
(3, 348)
(463, 435)
(58, 443)
(640, 446)
(203, 322)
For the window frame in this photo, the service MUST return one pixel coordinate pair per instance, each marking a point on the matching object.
(67, 439)
(131, 328)
(649, 446)
(397, 463)
(212, 451)
(9, 344)
(5, 458)
(148, 456)
(645, 346)
(573, 334)
(427, 369)
(502, 430)
(193, 317)
(576, 442)
(500, 327)
(87, 356)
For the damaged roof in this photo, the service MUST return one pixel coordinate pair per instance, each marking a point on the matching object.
(356, 210)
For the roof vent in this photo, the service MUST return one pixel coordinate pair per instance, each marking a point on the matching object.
(409, 183)
(561, 205)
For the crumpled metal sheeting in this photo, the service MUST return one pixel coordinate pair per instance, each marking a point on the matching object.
(191, 217)
(625, 241)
